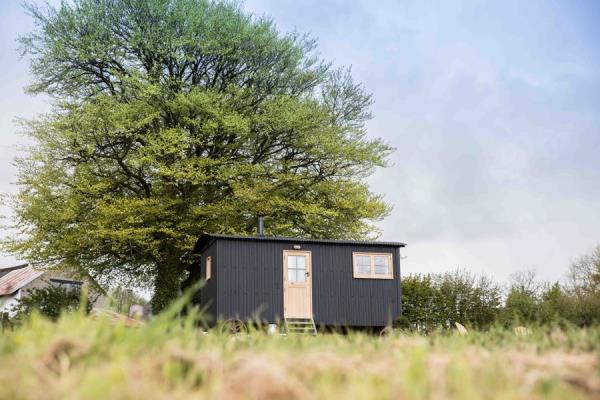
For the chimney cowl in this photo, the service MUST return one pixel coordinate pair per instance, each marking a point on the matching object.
(260, 229)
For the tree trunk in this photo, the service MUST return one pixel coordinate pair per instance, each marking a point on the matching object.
(167, 286)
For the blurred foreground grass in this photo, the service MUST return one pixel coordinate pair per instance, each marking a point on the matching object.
(79, 358)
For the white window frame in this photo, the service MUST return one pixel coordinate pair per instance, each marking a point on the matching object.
(372, 274)
(208, 267)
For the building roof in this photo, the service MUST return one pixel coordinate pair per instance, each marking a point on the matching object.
(6, 270)
(205, 238)
(17, 278)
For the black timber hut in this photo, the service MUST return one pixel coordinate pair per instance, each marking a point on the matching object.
(344, 283)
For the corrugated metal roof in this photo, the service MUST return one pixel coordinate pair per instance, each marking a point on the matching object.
(6, 270)
(205, 237)
(16, 279)
(13, 267)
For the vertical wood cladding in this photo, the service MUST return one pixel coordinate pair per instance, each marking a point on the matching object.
(247, 283)
(208, 293)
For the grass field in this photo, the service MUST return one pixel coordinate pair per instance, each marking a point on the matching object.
(79, 358)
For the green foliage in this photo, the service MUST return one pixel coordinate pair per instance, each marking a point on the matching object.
(521, 307)
(50, 301)
(122, 299)
(577, 302)
(438, 301)
(420, 302)
(584, 285)
(431, 302)
(522, 300)
(468, 299)
(555, 305)
(174, 118)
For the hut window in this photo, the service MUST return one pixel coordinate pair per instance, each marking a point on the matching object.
(208, 267)
(373, 265)
(296, 269)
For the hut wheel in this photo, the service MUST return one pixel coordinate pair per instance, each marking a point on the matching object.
(234, 326)
(387, 331)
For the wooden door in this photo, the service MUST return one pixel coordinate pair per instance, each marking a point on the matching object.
(297, 284)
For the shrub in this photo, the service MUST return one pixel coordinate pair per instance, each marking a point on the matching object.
(50, 301)
(584, 286)
(438, 301)
(556, 305)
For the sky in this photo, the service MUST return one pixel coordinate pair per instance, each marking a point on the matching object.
(493, 108)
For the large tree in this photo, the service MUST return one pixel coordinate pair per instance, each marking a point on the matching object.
(173, 118)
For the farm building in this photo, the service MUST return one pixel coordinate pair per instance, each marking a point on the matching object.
(16, 281)
(294, 281)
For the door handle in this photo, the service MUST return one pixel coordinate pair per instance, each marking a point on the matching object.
(307, 274)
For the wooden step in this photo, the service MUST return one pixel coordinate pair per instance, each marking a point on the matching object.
(300, 326)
